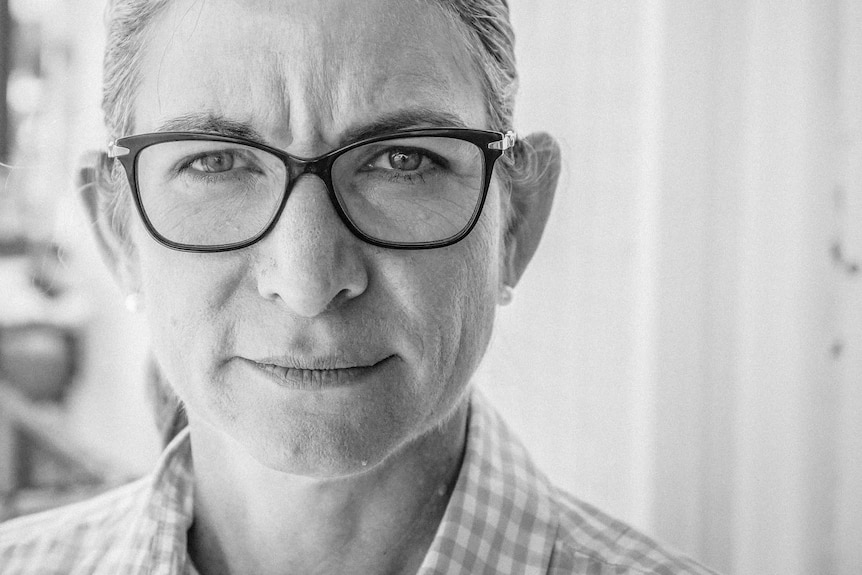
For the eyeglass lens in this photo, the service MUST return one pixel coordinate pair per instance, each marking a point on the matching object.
(406, 190)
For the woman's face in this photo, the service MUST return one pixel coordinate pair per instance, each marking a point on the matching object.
(373, 347)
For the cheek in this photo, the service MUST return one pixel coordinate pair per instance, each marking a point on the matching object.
(478, 296)
(189, 323)
(459, 290)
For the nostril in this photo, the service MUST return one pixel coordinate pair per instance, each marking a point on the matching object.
(310, 275)
(342, 298)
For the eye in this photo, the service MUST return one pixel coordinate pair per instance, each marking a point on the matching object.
(402, 160)
(214, 163)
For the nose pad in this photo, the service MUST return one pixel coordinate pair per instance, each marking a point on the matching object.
(310, 262)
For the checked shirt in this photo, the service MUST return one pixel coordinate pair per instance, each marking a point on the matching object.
(503, 517)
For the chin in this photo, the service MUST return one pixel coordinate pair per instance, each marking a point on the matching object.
(316, 447)
(334, 433)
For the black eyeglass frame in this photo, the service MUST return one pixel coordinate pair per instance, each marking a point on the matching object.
(492, 144)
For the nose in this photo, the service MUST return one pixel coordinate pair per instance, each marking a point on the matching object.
(310, 262)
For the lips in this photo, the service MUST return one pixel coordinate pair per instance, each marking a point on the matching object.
(319, 373)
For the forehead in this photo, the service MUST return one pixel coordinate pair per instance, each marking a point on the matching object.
(297, 69)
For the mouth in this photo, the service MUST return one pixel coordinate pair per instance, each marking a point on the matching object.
(319, 374)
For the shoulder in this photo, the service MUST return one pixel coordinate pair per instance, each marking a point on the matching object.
(77, 534)
(590, 541)
(543, 525)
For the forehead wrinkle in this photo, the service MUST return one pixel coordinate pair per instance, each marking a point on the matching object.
(274, 111)
(303, 80)
(305, 93)
(259, 97)
(381, 94)
(433, 78)
(319, 82)
(389, 88)
(262, 102)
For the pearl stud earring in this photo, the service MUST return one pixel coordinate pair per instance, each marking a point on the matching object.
(133, 302)
(506, 295)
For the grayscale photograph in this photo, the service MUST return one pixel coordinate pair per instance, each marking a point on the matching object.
(428, 287)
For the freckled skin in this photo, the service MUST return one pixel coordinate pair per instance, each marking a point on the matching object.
(310, 287)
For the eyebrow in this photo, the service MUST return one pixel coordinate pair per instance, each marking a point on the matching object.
(210, 123)
(419, 117)
(402, 120)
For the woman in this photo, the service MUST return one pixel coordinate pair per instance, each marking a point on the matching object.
(321, 319)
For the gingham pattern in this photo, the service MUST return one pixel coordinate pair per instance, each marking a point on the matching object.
(136, 529)
(503, 517)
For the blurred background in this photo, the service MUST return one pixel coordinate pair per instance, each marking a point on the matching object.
(686, 350)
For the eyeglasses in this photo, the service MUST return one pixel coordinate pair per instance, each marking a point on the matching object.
(413, 189)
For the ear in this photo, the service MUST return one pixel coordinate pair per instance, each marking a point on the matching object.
(535, 175)
(94, 187)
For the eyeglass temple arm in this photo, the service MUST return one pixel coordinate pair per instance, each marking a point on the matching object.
(115, 151)
(508, 141)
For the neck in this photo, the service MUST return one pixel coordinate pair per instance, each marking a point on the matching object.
(252, 519)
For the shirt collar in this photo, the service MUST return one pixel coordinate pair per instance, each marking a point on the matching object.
(499, 518)
(170, 509)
